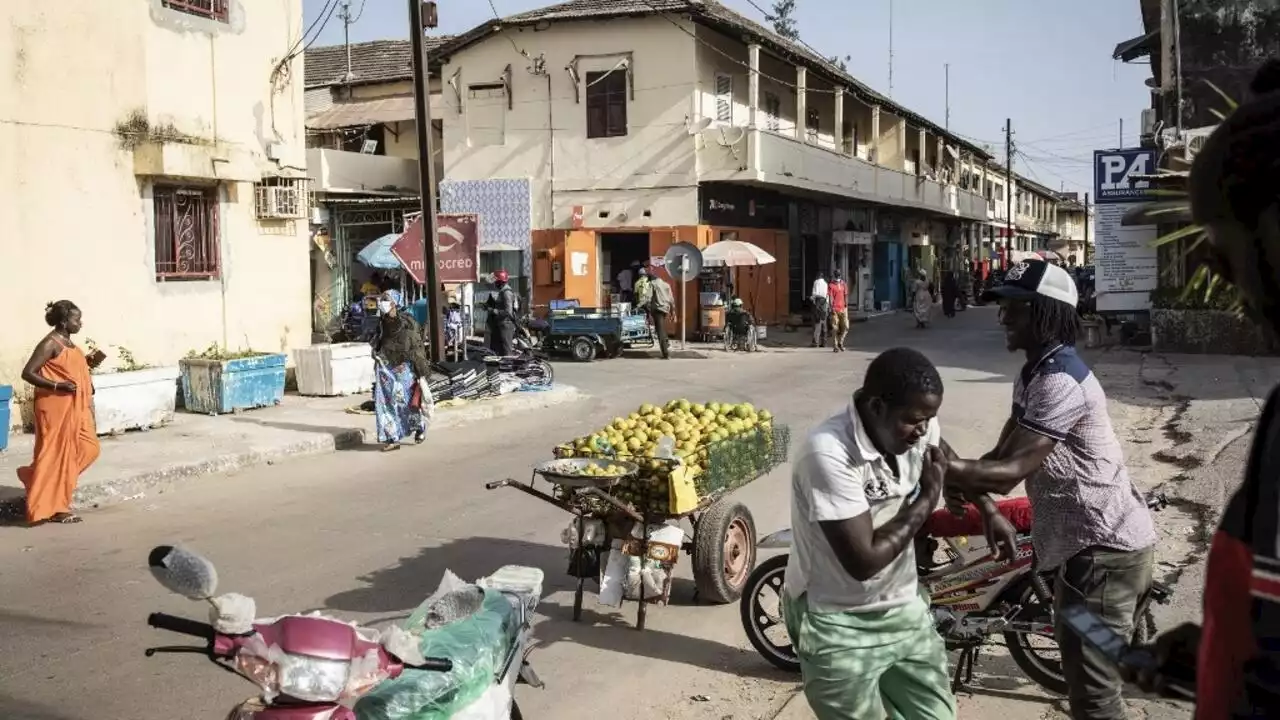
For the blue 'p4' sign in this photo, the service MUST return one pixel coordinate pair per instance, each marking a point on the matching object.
(1121, 176)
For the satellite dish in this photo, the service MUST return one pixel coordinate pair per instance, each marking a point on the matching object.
(683, 261)
(697, 126)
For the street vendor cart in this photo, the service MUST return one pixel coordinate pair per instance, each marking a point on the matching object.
(653, 485)
(588, 333)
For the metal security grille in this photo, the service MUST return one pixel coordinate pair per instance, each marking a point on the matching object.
(212, 9)
(186, 233)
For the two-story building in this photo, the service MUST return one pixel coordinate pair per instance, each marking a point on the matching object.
(171, 131)
(1035, 225)
(1075, 230)
(595, 133)
(362, 156)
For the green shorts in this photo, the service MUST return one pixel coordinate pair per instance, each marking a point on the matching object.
(871, 665)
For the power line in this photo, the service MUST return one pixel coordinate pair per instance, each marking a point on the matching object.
(498, 16)
(360, 12)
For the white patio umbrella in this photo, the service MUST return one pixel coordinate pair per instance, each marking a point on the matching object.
(735, 253)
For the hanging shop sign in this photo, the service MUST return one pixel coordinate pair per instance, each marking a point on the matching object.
(457, 249)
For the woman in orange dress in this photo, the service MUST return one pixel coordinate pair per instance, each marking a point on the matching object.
(66, 440)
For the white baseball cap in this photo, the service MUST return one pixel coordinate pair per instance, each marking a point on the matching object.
(1030, 278)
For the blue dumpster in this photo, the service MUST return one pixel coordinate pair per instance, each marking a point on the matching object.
(6, 393)
(222, 386)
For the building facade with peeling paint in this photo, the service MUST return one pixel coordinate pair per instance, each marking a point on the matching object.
(153, 170)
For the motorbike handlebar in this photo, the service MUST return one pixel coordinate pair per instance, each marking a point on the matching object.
(443, 665)
(495, 484)
(182, 626)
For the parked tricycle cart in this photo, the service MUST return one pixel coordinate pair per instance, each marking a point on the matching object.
(619, 528)
(587, 333)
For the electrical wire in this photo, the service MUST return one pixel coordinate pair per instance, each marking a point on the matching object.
(498, 16)
(360, 13)
(326, 12)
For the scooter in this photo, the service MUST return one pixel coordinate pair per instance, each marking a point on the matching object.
(973, 597)
(308, 666)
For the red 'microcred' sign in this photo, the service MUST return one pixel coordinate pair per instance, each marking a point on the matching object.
(457, 249)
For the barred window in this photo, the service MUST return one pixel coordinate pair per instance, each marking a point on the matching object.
(186, 233)
(211, 9)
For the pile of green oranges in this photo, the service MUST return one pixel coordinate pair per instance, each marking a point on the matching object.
(692, 427)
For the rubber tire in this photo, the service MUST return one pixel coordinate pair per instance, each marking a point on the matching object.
(1019, 590)
(708, 551)
(747, 612)
(583, 349)
(548, 371)
(515, 711)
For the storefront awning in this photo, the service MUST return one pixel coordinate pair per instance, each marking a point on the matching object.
(1141, 46)
(356, 113)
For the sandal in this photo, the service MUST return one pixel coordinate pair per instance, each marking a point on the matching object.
(66, 518)
(390, 447)
(419, 436)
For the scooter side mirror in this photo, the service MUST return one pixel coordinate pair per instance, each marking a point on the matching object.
(183, 572)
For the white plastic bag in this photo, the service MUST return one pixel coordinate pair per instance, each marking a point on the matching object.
(494, 704)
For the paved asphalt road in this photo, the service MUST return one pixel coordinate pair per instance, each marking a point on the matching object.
(366, 536)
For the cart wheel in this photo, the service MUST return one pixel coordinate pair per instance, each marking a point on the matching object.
(583, 349)
(752, 339)
(724, 551)
(728, 340)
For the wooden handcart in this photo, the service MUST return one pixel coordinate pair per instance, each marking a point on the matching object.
(721, 534)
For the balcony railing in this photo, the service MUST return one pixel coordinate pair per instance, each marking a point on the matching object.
(736, 154)
(343, 171)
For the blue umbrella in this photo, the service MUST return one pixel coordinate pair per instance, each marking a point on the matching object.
(377, 254)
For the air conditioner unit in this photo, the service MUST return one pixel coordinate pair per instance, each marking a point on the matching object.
(281, 199)
(1193, 140)
(1148, 122)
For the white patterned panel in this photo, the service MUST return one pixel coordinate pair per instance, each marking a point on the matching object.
(504, 209)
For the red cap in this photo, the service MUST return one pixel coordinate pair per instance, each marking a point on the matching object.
(501, 276)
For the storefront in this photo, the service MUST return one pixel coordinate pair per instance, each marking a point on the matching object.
(352, 224)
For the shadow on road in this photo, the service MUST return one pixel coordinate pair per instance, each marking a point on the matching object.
(396, 591)
(11, 707)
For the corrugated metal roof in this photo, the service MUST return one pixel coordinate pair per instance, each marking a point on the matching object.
(711, 14)
(375, 61)
(355, 113)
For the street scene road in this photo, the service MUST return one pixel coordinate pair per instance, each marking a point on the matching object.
(367, 535)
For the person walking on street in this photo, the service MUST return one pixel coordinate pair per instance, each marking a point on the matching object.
(838, 289)
(501, 318)
(401, 397)
(865, 482)
(921, 299)
(1092, 527)
(821, 302)
(950, 294)
(658, 300)
(66, 438)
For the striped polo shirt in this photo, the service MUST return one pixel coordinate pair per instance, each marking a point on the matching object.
(1081, 496)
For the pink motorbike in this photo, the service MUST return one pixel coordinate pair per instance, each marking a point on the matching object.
(308, 666)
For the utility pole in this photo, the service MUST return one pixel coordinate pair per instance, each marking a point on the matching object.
(1121, 145)
(345, 15)
(1086, 230)
(947, 69)
(1008, 192)
(422, 15)
(890, 48)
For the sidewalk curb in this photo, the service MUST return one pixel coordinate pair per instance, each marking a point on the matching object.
(317, 442)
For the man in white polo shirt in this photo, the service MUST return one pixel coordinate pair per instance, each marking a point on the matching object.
(865, 482)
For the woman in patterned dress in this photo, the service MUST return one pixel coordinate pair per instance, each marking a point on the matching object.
(401, 397)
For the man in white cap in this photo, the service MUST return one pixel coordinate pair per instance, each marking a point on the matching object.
(1092, 527)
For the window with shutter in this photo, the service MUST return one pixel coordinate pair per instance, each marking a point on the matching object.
(724, 98)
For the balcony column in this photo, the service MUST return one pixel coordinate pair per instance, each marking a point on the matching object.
(802, 104)
(838, 133)
(924, 153)
(942, 162)
(875, 134)
(753, 84)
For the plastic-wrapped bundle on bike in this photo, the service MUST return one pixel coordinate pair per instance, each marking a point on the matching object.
(478, 642)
